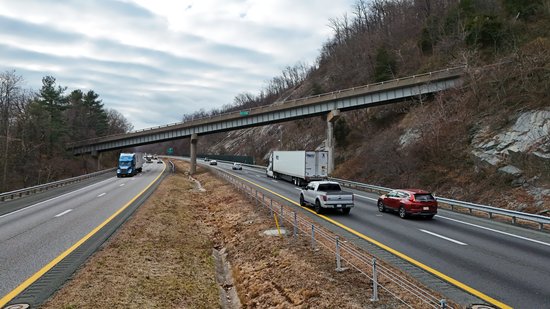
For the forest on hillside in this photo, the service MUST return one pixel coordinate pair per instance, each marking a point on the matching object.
(35, 126)
(428, 142)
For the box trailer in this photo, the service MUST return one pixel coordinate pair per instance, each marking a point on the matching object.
(298, 167)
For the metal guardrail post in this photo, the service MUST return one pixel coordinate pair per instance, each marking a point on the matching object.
(374, 281)
(271, 208)
(295, 232)
(282, 217)
(338, 257)
(313, 237)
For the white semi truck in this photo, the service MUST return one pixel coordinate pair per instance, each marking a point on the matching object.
(299, 167)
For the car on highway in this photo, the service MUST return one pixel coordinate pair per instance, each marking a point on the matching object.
(237, 166)
(326, 195)
(213, 162)
(409, 202)
(159, 161)
(206, 159)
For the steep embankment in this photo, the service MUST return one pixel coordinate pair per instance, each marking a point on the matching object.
(487, 142)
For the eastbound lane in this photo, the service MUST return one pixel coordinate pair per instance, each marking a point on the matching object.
(33, 236)
(508, 263)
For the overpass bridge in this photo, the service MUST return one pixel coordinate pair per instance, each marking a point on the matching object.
(329, 104)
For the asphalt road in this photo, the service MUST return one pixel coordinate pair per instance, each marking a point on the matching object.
(44, 226)
(508, 263)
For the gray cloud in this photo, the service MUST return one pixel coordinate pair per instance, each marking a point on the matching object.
(154, 63)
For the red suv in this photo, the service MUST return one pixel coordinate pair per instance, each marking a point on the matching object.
(409, 202)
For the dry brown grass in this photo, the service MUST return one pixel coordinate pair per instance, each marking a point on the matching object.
(162, 258)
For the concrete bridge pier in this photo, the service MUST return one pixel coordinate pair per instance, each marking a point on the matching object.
(97, 155)
(329, 144)
(194, 139)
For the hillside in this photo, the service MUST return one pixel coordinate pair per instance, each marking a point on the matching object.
(487, 142)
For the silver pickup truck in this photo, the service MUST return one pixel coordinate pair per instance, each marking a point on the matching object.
(326, 194)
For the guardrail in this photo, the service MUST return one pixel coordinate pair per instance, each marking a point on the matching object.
(456, 204)
(32, 190)
(453, 204)
(381, 276)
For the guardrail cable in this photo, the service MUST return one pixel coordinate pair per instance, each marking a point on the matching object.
(394, 283)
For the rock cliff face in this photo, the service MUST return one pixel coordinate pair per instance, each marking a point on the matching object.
(530, 134)
(526, 144)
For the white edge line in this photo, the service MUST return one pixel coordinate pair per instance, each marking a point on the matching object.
(63, 213)
(31, 206)
(102, 194)
(496, 231)
(443, 237)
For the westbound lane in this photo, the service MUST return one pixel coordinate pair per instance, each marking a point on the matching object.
(33, 236)
(508, 263)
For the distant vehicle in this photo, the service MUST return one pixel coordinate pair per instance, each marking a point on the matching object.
(409, 202)
(148, 159)
(159, 161)
(206, 159)
(326, 195)
(298, 167)
(237, 166)
(129, 164)
(213, 162)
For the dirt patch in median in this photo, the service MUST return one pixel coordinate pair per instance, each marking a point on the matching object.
(163, 258)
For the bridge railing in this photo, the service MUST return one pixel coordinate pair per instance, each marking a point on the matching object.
(450, 72)
(456, 204)
(43, 187)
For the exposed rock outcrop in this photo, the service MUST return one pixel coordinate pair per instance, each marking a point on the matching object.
(530, 134)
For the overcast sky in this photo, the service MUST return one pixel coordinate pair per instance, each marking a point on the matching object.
(155, 60)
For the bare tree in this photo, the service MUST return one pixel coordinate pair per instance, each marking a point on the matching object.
(10, 90)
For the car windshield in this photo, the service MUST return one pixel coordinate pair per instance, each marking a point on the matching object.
(329, 187)
(424, 197)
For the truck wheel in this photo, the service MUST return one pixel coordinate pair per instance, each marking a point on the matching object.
(302, 202)
(318, 208)
(381, 206)
(402, 212)
(346, 211)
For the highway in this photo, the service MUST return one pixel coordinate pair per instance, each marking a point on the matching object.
(507, 263)
(47, 225)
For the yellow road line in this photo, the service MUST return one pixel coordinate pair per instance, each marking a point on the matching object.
(395, 252)
(11, 295)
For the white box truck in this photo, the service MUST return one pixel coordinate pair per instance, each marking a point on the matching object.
(298, 167)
